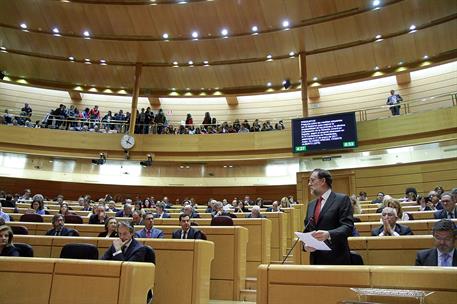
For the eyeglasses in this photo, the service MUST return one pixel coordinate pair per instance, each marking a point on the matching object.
(388, 214)
(446, 239)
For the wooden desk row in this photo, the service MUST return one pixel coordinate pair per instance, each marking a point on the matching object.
(55, 281)
(297, 284)
(417, 226)
(179, 263)
(380, 250)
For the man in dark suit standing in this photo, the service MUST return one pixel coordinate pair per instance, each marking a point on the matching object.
(125, 248)
(59, 228)
(444, 255)
(389, 225)
(449, 210)
(186, 231)
(330, 217)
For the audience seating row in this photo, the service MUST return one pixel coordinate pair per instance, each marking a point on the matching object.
(417, 226)
(278, 284)
(182, 265)
(55, 281)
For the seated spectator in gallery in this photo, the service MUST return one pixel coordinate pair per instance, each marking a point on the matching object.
(402, 216)
(189, 210)
(362, 196)
(112, 206)
(285, 203)
(26, 196)
(357, 209)
(125, 248)
(9, 201)
(241, 208)
(138, 205)
(160, 211)
(435, 199)
(126, 211)
(449, 210)
(247, 201)
(259, 202)
(167, 202)
(6, 242)
(219, 210)
(274, 207)
(137, 217)
(59, 229)
(149, 231)
(255, 213)
(379, 198)
(292, 200)
(410, 195)
(110, 228)
(3, 215)
(186, 231)
(149, 202)
(37, 205)
(210, 206)
(439, 190)
(424, 202)
(64, 210)
(85, 203)
(389, 225)
(99, 215)
(279, 125)
(387, 198)
(444, 254)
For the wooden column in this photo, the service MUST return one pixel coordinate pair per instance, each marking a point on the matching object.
(304, 84)
(136, 93)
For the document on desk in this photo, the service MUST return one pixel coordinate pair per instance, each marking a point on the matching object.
(310, 241)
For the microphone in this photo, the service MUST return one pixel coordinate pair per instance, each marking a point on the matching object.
(310, 223)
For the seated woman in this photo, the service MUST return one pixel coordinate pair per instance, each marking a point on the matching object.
(402, 216)
(64, 210)
(285, 203)
(6, 242)
(37, 205)
(110, 228)
(241, 207)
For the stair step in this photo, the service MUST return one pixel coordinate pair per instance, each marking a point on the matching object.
(251, 283)
(248, 295)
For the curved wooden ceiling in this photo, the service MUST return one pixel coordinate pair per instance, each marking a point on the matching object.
(337, 36)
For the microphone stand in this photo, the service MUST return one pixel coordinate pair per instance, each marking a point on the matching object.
(311, 220)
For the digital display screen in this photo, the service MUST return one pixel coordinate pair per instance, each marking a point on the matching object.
(322, 133)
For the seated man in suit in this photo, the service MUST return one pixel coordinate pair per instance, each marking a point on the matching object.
(149, 231)
(218, 208)
(160, 211)
(59, 229)
(99, 216)
(125, 248)
(274, 207)
(126, 212)
(449, 210)
(189, 210)
(444, 253)
(186, 231)
(389, 224)
(255, 213)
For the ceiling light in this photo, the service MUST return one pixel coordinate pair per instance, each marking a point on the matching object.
(412, 28)
(268, 84)
(102, 61)
(376, 68)
(205, 63)
(269, 57)
(224, 32)
(23, 26)
(187, 89)
(86, 34)
(400, 63)
(3, 49)
(285, 23)
(195, 35)
(315, 78)
(165, 36)
(173, 89)
(254, 28)
(175, 63)
(71, 58)
(291, 54)
(376, 3)
(230, 166)
(425, 57)
(190, 62)
(56, 31)
(225, 166)
(378, 36)
(87, 61)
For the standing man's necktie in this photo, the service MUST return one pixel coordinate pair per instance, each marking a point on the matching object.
(317, 210)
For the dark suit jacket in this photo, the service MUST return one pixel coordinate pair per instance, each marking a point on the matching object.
(192, 234)
(400, 229)
(93, 219)
(10, 251)
(121, 214)
(442, 214)
(429, 257)
(336, 218)
(64, 232)
(134, 253)
(104, 233)
(165, 215)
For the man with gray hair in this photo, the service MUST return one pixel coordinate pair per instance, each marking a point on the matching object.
(449, 210)
(444, 253)
(125, 248)
(219, 210)
(189, 210)
(255, 213)
(389, 225)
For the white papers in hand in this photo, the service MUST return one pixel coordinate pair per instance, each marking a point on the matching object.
(310, 241)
